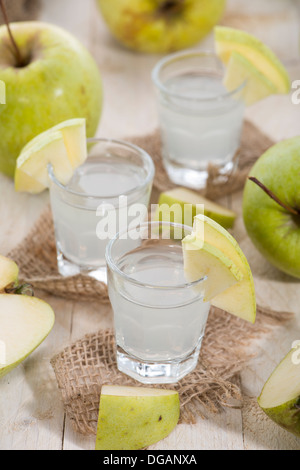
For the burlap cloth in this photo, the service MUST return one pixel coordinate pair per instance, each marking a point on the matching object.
(84, 366)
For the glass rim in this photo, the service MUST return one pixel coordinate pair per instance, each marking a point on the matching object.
(185, 54)
(113, 266)
(145, 157)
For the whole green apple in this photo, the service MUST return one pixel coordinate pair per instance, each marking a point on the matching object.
(271, 205)
(55, 80)
(160, 26)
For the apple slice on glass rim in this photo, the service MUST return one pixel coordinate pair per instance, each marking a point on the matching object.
(63, 146)
(253, 61)
(227, 259)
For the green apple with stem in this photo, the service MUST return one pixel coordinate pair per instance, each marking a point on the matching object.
(160, 26)
(132, 418)
(25, 321)
(49, 77)
(271, 205)
(280, 396)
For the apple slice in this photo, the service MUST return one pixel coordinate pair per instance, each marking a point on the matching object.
(239, 299)
(24, 323)
(240, 70)
(280, 396)
(63, 146)
(9, 272)
(229, 40)
(132, 418)
(34, 161)
(204, 260)
(74, 135)
(183, 203)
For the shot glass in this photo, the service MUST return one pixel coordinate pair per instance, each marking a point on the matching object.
(108, 192)
(200, 121)
(159, 317)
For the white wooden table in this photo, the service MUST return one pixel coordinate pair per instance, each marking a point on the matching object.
(31, 412)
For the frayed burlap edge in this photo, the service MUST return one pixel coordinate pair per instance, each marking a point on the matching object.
(85, 365)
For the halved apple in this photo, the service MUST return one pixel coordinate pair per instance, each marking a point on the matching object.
(132, 418)
(280, 396)
(239, 299)
(229, 40)
(24, 323)
(183, 204)
(9, 272)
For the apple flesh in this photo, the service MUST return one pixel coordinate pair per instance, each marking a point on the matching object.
(239, 299)
(274, 229)
(280, 396)
(229, 40)
(9, 272)
(132, 418)
(241, 71)
(203, 260)
(63, 146)
(25, 322)
(160, 27)
(183, 204)
(57, 80)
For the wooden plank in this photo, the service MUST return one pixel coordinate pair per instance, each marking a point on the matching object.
(31, 414)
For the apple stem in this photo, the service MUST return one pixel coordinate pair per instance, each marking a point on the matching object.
(23, 289)
(273, 196)
(171, 6)
(17, 51)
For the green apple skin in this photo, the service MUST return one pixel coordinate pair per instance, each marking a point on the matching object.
(183, 211)
(60, 82)
(160, 26)
(9, 272)
(135, 422)
(286, 415)
(283, 386)
(273, 230)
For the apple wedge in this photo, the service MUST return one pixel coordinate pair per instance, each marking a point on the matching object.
(204, 260)
(229, 40)
(24, 323)
(280, 396)
(240, 70)
(132, 418)
(239, 299)
(34, 161)
(182, 203)
(9, 272)
(63, 146)
(74, 135)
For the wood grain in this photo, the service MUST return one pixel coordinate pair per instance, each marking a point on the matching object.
(31, 414)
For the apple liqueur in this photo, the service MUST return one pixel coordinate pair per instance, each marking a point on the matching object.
(157, 325)
(98, 210)
(200, 132)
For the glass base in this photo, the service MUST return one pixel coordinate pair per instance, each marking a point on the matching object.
(67, 268)
(197, 179)
(156, 372)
